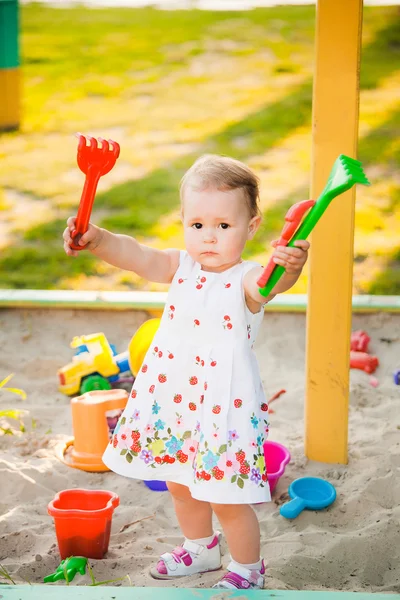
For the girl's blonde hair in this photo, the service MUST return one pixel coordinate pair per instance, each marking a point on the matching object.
(223, 173)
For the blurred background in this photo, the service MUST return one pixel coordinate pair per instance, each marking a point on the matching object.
(170, 85)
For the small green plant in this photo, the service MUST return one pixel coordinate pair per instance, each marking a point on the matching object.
(6, 575)
(12, 413)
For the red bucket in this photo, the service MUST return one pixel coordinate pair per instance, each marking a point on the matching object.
(82, 519)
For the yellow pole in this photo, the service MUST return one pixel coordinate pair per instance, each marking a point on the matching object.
(335, 129)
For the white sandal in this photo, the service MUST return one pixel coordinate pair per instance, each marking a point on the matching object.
(240, 578)
(188, 559)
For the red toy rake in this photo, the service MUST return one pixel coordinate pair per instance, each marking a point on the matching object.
(94, 160)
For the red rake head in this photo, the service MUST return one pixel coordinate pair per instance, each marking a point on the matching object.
(100, 155)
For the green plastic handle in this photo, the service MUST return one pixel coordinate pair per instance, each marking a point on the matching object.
(310, 220)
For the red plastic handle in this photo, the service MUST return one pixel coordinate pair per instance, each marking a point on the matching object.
(293, 219)
(85, 208)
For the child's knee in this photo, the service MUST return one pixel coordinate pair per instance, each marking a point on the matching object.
(178, 491)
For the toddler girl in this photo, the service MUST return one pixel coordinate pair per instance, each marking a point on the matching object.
(197, 415)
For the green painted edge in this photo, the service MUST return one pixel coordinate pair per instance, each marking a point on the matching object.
(9, 34)
(156, 300)
(41, 592)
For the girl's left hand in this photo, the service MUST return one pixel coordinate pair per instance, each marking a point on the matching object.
(292, 259)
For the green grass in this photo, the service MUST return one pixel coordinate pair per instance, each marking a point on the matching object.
(169, 86)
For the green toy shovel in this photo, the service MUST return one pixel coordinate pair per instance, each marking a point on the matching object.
(345, 173)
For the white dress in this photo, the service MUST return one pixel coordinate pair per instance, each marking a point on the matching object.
(197, 413)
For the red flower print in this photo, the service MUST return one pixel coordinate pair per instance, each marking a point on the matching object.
(193, 380)
(162, 378)
(177, 398)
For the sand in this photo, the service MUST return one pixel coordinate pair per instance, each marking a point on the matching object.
(354, 545)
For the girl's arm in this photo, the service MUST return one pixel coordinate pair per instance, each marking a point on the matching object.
(126, 253)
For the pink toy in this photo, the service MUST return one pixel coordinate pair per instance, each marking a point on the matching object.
(359, 341)
(363, 361)
(276, 459)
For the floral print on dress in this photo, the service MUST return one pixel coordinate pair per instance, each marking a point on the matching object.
(197, 414)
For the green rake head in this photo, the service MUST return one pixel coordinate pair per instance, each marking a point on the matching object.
(345, 173)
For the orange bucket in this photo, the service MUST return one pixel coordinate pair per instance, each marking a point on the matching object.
(82, 519)
(94, 416)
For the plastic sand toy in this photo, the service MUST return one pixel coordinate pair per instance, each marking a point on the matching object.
(67, 569)
(94, 160)
(82, 520)
(345, 173)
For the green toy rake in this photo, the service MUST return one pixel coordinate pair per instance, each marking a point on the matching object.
(345, 173)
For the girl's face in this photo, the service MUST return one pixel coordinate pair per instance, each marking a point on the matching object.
(217, 225)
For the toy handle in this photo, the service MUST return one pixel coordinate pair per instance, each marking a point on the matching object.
(302, 233)
(293, 219)
(85, 208)
(292, 509)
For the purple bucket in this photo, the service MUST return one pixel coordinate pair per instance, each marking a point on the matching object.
(276, 459)
(156, 486)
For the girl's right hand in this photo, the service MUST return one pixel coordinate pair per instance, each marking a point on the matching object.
(91, 239)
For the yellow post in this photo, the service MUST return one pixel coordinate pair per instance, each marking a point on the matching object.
(335, 130)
